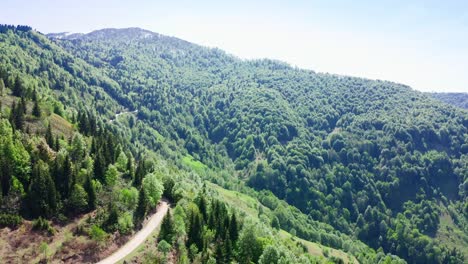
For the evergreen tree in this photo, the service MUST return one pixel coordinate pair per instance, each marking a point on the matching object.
(12, 116)
(111, 223)
(36, 109)
(63, 180)
(195, 230)
(167, 229)
(99, 167)
(17, 116)
(2, 87)
(142, 206)
(91, 191)
(233, 228)
(22, 105)
(18, 88)
(130, 167)
(56, 143)
(140, 173)
(42, 197)
(202, 205)
(49, 137)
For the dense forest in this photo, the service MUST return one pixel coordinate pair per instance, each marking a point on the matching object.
(105, 124)
(456, 99)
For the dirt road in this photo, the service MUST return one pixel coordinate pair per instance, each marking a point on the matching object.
(140, 237)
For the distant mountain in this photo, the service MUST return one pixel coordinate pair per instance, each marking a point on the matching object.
(455, 99)
(64, 35)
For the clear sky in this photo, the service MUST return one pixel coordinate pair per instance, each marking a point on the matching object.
(420, 43)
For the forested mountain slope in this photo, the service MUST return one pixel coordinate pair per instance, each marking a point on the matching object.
(374, 159)
(362, 160)
(79, 173)
(456, 99)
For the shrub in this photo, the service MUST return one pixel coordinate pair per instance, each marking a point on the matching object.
(42, 224)
(97, 234)
(10, 220)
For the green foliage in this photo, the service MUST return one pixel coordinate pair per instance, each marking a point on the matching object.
(97, 234)
(125, 223)
(153, 189)
(111, 175)
(167, 231)
(349, 153)
(129, 198)
(9, 220)
(164, 247)
(41, 197)
(269, 256)
(42, 224)
(78, 200)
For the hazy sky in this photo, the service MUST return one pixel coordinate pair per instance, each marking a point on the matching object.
(420, 43)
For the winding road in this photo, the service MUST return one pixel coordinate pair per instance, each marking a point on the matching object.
(122, 113)
(140, 237)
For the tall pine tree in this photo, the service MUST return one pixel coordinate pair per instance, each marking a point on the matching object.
(167, 229)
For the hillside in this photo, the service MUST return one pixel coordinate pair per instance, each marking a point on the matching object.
(372, 169)
(455, 99)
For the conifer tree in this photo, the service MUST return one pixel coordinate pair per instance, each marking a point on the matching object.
(57, 143)
(49, 137)
(130, 167)
(140, 211)
(99, 167)
(36, 109)
(42, 197)
(91, 191)
(63, 180)
(2, 87)
(18, 89)
(233, 228)
(195, 231)
(167, 229)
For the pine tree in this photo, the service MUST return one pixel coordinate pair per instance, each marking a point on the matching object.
(18, 116)
(140, 173)
(49, 137)
(195, 231)
(12, 116)
(112, 220)
(99, 167)
(140, 211)
(41, 197)
(57, 143)
(2, 87)
(23, 105)
(202, 205)
(91, 191)
(167, 229)
(64, 179)
(228, 249)
(233, 229)
(130, 167)
(36, 109)
(18, 89)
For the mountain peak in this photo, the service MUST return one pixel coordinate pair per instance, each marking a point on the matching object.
(108, 33)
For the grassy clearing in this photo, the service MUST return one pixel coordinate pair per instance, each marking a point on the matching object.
(250, 206)
(60, 126)
(238, 200)
(196, 165)
(451, 235)
(319, 250)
